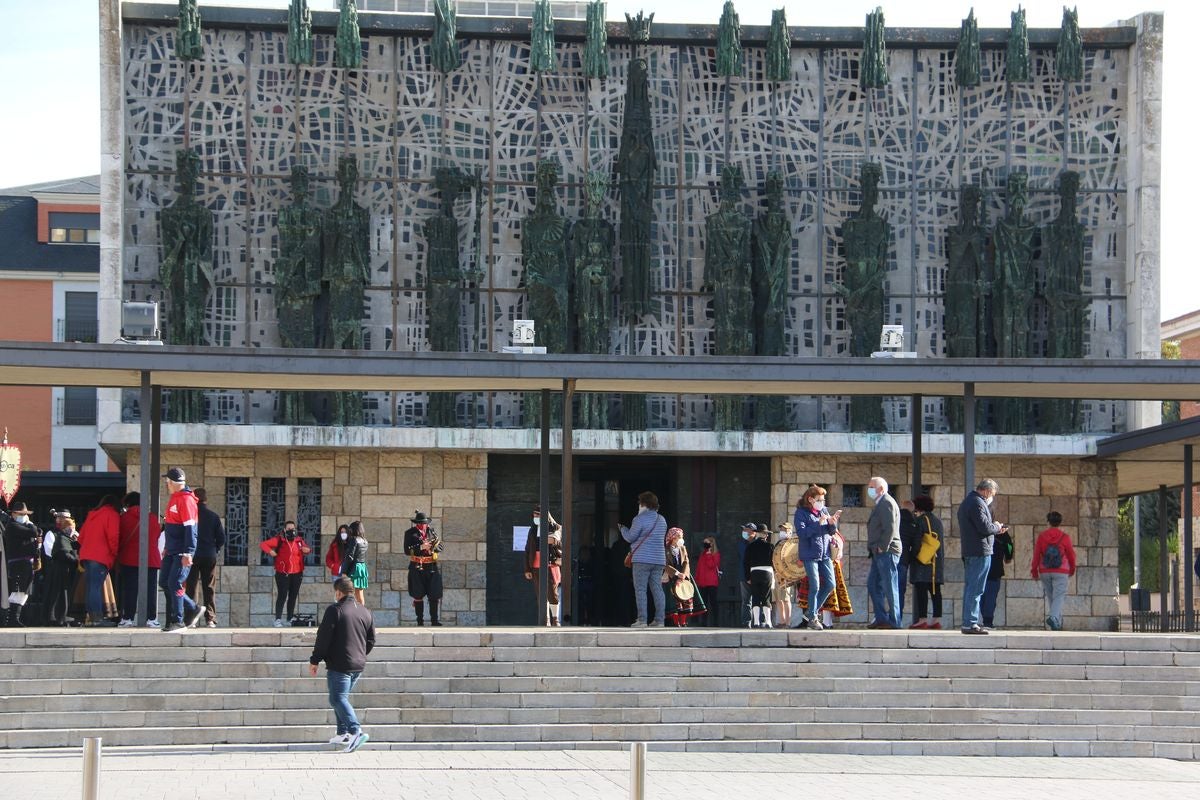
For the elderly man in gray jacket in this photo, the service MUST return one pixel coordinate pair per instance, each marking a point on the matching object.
(883, 540)
(978, 531)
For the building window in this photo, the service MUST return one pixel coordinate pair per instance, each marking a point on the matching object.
(308, 518)
(79, 460)
(274, 510)
(68, 227)
(80, 320)
(79, 406)
(237, 521)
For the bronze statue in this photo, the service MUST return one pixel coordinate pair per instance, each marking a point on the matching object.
(346, 275)
(963, 318)
(727, 274)
(779, 48)
(729, 42)
(866, 238)
(443, 287)
(1069, 60)
(544, 254)
(591, 253)
(595, 47)
(347, 45)
(186, 274)
(966, 55)
(1016, 69)
(1066, 306)
(636, 165)
(297, 285)
(873, 72)
(1011, 291)
(541, 41)
(300, 35)
(189, 40)
(772, 249)
(443, 48)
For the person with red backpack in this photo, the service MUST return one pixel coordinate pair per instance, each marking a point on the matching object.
(1054, 564)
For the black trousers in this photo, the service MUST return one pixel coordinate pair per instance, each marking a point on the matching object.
(129, 592)
(424, 580)
(60, 581)
(204, 574)
(921, 595)
(709, 593)
(288, 587)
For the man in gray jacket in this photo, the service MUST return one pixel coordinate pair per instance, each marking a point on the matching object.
(978, 531)
(883, 540)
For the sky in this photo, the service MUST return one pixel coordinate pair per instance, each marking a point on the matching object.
(51, 110)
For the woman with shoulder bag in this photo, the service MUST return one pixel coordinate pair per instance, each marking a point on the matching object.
(648, 556)
(926, 569)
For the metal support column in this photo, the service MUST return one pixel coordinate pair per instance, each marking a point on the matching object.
(1189, 601)
(156, 448)
(543, 577)
(969, 435)
(1163, 573)
(565, 595)
(918, 434)
(146, 415)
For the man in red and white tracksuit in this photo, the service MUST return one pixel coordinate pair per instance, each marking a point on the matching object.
(180, 527)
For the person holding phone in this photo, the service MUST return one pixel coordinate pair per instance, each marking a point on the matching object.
(978, 530)
(815, 527)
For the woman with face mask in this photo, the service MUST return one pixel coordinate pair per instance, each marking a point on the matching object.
(337, 552)
(815, 527)
(288, 549)
(708, 578)
(354, 562)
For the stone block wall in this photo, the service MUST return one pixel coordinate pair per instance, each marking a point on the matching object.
(382, 488)
(1083, 491)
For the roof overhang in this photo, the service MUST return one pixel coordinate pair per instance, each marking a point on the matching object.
(1152, 457)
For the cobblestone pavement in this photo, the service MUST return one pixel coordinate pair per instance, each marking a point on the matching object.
(180, 774)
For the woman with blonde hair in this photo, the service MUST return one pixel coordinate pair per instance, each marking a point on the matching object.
(680, 588)
(782, 594)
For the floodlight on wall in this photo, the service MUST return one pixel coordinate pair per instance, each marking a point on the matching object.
(523, 336)
(891, 343)
(139, 323)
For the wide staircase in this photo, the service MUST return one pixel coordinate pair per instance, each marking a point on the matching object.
(861, 692)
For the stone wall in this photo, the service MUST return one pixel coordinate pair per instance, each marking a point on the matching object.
(382, 488)
(1083, 491)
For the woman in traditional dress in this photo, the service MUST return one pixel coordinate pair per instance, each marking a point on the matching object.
(681, 602)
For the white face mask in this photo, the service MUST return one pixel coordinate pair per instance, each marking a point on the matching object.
(746, 535)
(344, 535)
(22, 518)
(872, 492)
(819, 505)
(988, 500)
(536, 520)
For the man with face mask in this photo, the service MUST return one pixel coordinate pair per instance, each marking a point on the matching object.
(883, 541)
(978, 530)
(60, 562)
(21, 539)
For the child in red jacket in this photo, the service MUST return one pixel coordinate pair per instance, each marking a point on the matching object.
(1054, 564)
(288, 549)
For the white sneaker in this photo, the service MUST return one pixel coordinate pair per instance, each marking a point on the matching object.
(357, 741)
(638, 624)
(341, 738)
(152, 623)
(278, 623)
(655, 624)
(125, 623)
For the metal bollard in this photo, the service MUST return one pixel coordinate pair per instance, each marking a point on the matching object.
(91, 769)
(637, 771)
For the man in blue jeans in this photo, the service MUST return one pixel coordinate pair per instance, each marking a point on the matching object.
(179, 546)
(883, 541)
(978, 530)
(346, 636)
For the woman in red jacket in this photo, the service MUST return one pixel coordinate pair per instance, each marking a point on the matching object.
(708, 578)
(288, 549)
(127, 559)
(1054, 563)
(99, 540)
(337, 553)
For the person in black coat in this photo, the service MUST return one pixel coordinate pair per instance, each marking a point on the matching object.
(21, 540)
(210, 538)
(1002, 554)
(759, 574)
(926, 579)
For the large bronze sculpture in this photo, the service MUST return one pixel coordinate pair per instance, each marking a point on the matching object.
(772, 261)
(189, 40)
(298, 285)
(727, 273)
(779, 48)
(636, 165)
(443, 49)
(873, 72)
(591, 253)
(595, 47)
(966, 55)
(1066, 306)
(347, 272)
(541, 33)
(443, 283)
(1013, 244)
(300, 35)
(963, 317)
(1069, 57)
(1016, 69)
(865, 238)
(729, 42)
(544, 255)
(186, 274)
(347, 45)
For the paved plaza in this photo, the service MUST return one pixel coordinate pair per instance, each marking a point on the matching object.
(466, 775)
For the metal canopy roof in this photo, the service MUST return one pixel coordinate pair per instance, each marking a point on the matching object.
(121, 365)
(1152, 457)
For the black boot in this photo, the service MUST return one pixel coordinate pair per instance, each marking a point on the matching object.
(419, 608)
(434, 607)
(14, 616)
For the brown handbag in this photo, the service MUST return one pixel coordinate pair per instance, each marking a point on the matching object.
(629, 555)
